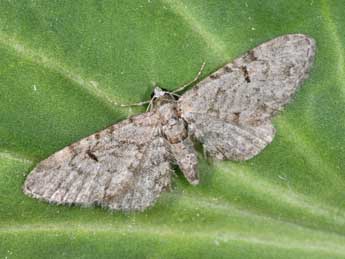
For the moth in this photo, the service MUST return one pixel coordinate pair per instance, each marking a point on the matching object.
(127, 166)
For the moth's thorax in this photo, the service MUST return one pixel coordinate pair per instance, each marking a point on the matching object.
(174, 128)
(167, 111)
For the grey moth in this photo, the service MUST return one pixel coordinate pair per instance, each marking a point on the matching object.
(128, 165)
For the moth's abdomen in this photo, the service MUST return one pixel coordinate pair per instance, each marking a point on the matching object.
(175, 130)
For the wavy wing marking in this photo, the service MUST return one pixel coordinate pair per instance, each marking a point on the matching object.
(230, 111)
(124, 167)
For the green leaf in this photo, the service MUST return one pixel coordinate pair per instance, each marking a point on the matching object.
(65, 64)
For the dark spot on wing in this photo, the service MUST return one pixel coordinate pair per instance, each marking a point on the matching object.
(130, 119)
(245, 73)
(250, 56)
(228, 69)
(287, 70)
(111, 129)
(214, 76)
(92, 155)
(236, 117)
(71, 148)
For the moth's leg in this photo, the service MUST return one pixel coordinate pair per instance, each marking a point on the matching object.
(149, 107)
(173, 95)
(185, 157)
(181, 88)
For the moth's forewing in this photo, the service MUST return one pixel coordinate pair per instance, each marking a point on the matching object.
(230, 111)
(124, 167)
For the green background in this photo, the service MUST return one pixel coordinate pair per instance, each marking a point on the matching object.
(65, 64)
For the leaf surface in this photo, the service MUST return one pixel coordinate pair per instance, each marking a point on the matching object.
(66, 64)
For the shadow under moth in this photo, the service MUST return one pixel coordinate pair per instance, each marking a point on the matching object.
(126, 166)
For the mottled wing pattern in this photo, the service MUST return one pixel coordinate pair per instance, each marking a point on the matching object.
(124, 167)
(230, 111)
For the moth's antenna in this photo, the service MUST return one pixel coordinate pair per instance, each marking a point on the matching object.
(171, 93)
(193, 81)
(134, 104)
(149, 102)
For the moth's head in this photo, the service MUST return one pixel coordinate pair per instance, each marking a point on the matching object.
(161, 96)
(158, 92)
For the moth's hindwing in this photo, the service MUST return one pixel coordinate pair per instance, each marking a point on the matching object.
(230, 111)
